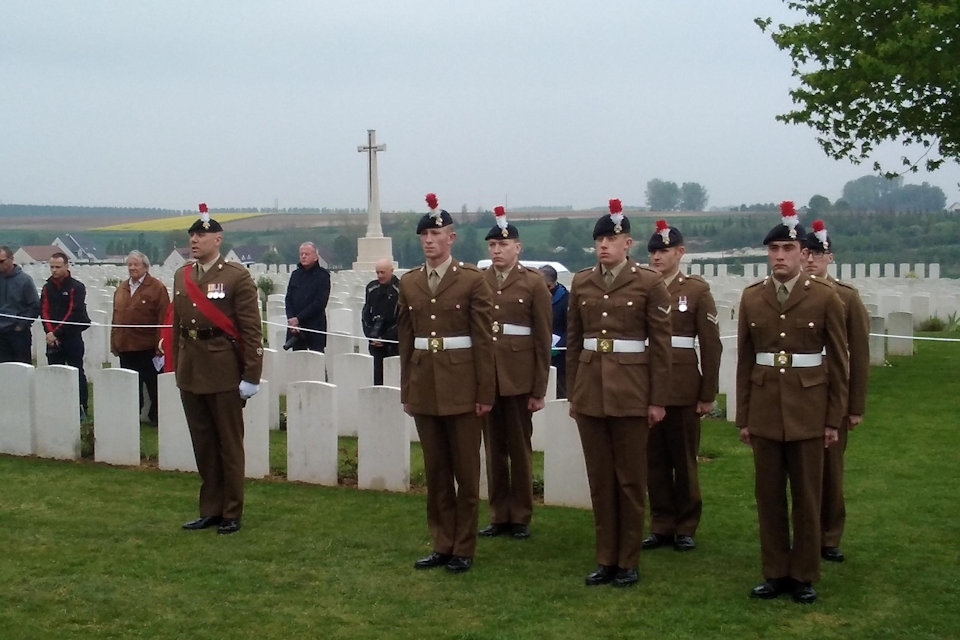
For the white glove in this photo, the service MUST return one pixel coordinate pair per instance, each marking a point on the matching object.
(248, 389)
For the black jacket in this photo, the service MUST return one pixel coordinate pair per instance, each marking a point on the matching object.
(379, 316)
(307, 293)
(64, 301)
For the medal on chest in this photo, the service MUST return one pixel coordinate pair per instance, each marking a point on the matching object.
(682, 304)
(215, 291)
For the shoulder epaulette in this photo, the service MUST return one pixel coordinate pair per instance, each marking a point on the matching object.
(469, 266)
(758, 283)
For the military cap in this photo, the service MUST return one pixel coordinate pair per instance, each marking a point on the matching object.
(205, 224)
(502, 230)
(789, 227)
(664, 237)
(613, 223)
(436, 218)
(818, 240)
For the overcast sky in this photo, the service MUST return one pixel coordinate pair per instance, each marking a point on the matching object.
(518, 102)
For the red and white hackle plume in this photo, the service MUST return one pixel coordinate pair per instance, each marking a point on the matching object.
(435, 212)
(821, 232)
(664, 230)
(501, 216)
(204, 215)
(616, 213)
(789, 217)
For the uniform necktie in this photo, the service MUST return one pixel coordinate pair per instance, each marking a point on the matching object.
(608, 278)
(500, 278)
(782, 294)
(433, 280)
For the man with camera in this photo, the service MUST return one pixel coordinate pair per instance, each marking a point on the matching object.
(306, 302)
(379, 316)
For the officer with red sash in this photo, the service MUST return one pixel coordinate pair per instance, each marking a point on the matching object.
(218, 356)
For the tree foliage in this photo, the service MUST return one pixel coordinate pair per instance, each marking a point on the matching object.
(877, 193)
(873, 71)
(662, 195)
(693, 196)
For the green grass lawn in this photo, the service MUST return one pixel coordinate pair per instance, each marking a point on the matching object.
(93, 551)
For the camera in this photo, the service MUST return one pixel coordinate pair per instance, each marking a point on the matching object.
(376, 327)
(292, 342)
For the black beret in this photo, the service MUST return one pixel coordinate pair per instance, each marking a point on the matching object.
(674, 237)
(782, 232)
(428, 221)
(496, 233)
(205, 226)
(812, 242)
(606, 227)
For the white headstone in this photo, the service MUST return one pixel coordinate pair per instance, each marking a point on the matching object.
(391, 371)
(874, 270)
(256, 433)
(312, 433)
(846, 271)
(350, 372)
(900, 324)
(16, 417)
(878, 341)
(919, 270)
(303, 366)
(904, 269)
(564, 470)
(934, 273)
(174, 446)
(383, 444)
(272, 373)
(728, 376)
(56, 425)
(117, 416)
(889, 270)
(920, 308)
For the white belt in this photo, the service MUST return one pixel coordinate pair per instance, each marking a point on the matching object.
(682, 342)
(783, 359)
(607, 345)
(514, 330)
(442, 344)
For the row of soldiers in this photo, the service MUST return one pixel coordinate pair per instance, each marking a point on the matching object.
(475, 351)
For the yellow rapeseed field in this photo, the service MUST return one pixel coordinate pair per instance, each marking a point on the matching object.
(172, 223)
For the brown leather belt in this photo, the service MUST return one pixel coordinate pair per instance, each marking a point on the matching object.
(201, 334)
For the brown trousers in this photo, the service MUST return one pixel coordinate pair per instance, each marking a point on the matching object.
(673, 481)
(507, 435)
(615, 450)
(451, 454)
(800, 462)
(215, 421)
(833, 511)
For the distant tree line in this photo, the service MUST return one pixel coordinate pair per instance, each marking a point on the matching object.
(663, 195)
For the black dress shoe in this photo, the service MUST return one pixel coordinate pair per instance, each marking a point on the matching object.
(771, 588)
(520, 531)
(459, 564)
(229, 525)
(684, 543)
(625, 577)
(655, 540)
(601, 575)
(494, 529)
(203, 522)
(832, 554)
(804, 593)
(435, 559)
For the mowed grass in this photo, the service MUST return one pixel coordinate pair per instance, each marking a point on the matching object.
(175, 223)
(92, 551)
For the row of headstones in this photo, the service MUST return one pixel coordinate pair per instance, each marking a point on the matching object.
(314, 423)
(845, 271)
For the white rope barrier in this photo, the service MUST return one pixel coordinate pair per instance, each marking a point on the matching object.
(348, 335)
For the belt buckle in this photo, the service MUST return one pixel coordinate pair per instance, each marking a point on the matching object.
(436, 344)
(605, 345)
(192, 334)
(784, 359)
(496, 327)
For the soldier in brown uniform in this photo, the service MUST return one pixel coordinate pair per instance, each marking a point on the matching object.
(447, 384)
(673, 482)
(521, 329)
(790, 401)
(833, 513)
(618, 387)
(218, 357)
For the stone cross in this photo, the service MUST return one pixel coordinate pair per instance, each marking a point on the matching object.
(373, 184)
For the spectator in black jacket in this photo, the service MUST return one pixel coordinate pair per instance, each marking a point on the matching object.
(560, 300)
(63, 310)
(306, 302)
(19, 305)
(379, 316)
